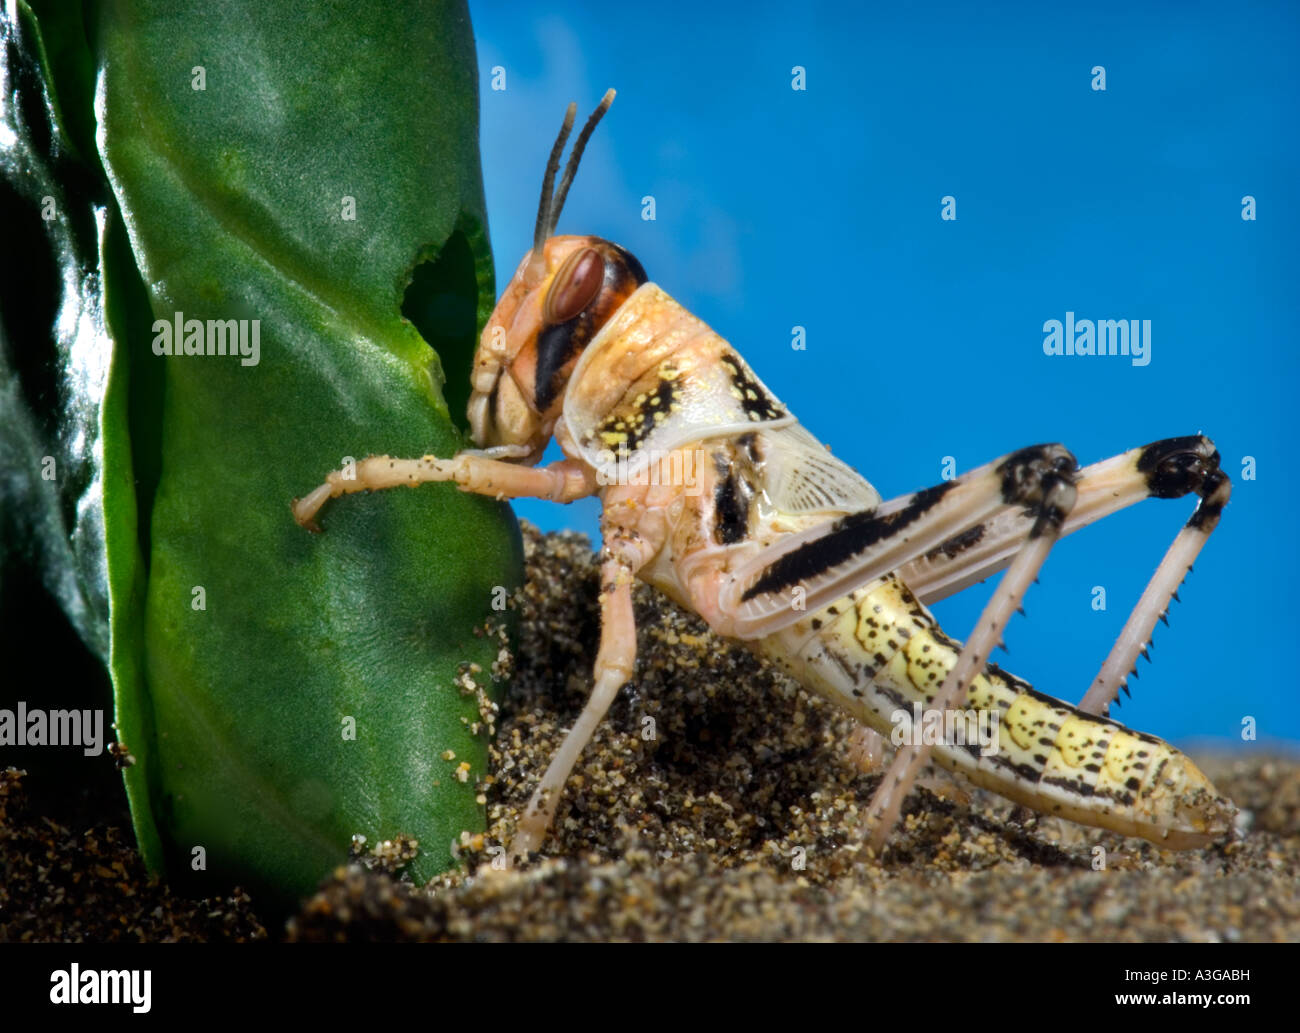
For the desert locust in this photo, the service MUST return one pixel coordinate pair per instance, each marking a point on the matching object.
(781, 546)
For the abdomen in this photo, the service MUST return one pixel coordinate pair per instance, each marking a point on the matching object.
(878, 651)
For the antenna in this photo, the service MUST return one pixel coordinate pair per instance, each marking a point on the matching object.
(542, 230)
(550, 205)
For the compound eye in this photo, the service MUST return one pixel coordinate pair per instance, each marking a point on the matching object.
(575, 286)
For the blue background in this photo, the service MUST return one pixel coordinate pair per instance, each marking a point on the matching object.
(821, 208)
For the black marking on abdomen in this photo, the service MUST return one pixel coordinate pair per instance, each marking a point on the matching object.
(1014, 681)
(1077, 787)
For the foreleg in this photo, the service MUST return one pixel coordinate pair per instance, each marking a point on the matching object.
(564, 481)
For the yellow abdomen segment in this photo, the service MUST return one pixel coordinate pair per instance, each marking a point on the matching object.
(878, 653)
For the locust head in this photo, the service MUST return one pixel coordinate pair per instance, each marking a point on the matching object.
(558, 299)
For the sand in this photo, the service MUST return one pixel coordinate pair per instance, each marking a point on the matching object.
(741, 820)
(718, 801)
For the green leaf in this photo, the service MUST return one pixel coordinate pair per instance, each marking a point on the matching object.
(242, 646)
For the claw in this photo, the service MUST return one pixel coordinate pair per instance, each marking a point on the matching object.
(305, 510)
(305, 521)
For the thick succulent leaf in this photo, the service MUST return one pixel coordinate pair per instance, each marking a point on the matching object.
(289, 165)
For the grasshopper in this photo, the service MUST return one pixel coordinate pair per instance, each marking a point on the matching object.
(788, 550)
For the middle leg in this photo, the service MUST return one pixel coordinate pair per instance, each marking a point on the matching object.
(627, 548)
